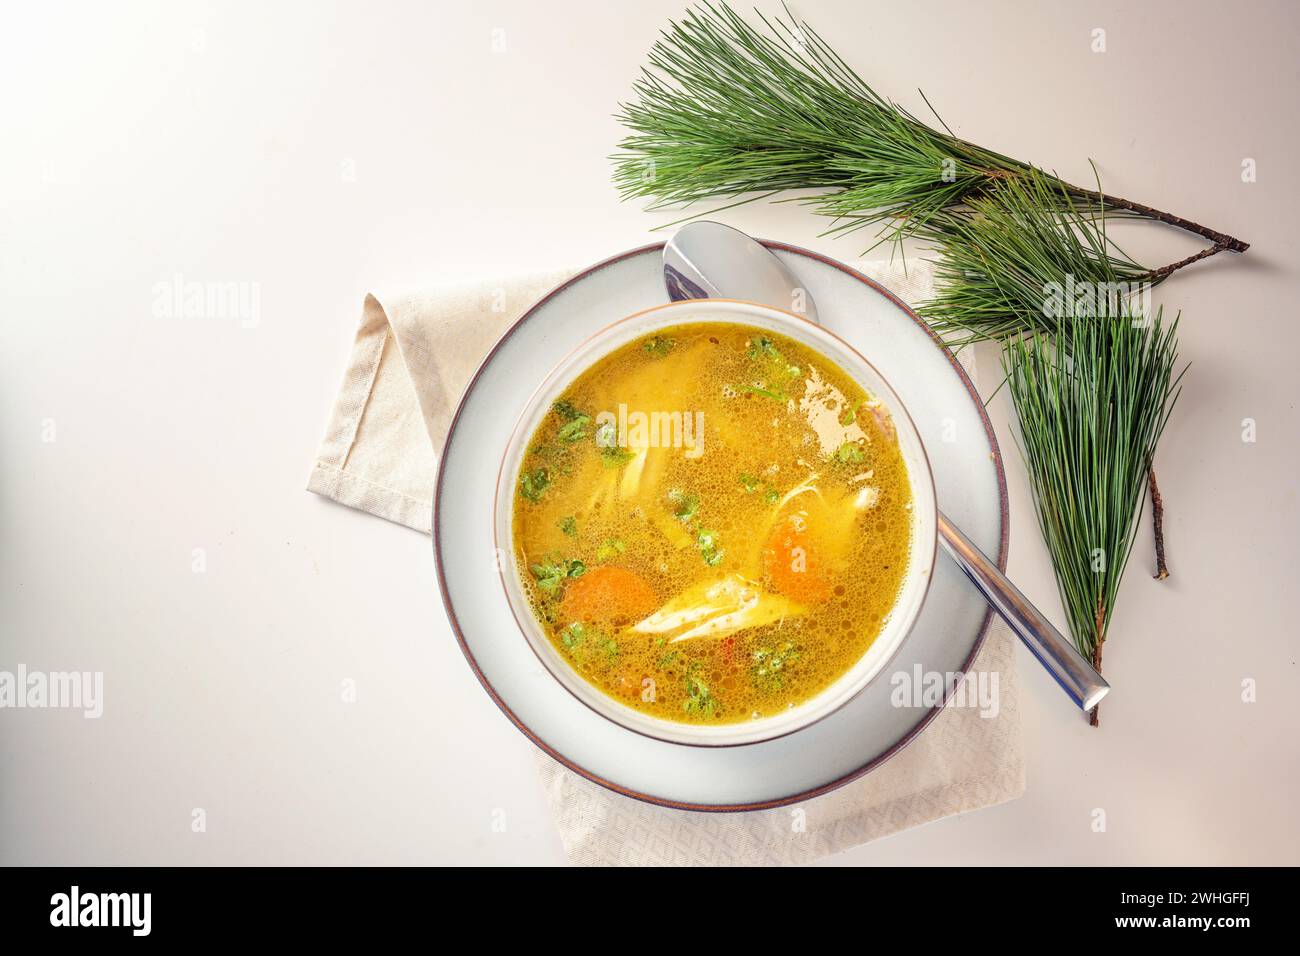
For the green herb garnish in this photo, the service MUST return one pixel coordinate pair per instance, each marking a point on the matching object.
(769, 665)
(765, 392)
(566, 410)
(574, 430)
(612, 456)
(709, 550)
(610, 548)
(551, 575)
(658, 346)
(699, 699)
(533, 484)
(684, 505)
(850, 453)
(575, 424)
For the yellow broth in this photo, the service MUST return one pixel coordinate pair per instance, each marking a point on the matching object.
(719, 573)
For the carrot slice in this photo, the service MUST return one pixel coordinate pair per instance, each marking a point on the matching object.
(793, 562)
(608, 594)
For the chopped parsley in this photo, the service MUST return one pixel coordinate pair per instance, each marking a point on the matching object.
(658, 346)
(770, 664)
(778, 372)
(575, 424)
(765, 392)
(684, 505)
(709, 550)
(533, 484)
(566, 410)
(610, 548)
(573, 635)
(574, 430)
(668, 659)
(552, 574)
(751, 484)
(614, 457)
(699, 699)
(850, 453)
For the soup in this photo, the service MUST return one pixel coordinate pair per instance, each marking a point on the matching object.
(712, 523)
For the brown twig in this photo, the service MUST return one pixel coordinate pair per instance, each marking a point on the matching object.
(1158, 525)
(1094, 716)
(1164, 272)
(1220, 239)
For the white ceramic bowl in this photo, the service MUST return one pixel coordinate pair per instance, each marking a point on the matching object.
(915, 583)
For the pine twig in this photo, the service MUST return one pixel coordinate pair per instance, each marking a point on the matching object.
(1094, 715)
(1158, 525)
(1222, 241)
(1164, 272)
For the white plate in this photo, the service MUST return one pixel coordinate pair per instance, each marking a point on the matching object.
(865, 732)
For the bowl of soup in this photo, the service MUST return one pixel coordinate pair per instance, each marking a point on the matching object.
(715, 523)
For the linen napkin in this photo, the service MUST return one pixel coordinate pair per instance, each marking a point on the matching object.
(412, 356)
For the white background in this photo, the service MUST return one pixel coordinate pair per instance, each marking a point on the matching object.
(320, 150)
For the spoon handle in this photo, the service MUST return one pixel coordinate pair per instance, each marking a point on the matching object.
(1077, 677)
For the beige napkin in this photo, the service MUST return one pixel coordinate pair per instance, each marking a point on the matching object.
(412, 356)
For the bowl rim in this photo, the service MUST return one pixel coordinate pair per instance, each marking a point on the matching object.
(679, 732)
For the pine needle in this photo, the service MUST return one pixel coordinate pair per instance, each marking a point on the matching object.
(1092, 401)
(1014, 253)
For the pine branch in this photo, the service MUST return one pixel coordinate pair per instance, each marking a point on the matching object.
(1018, 258)
(727, 108)
(1092, 400)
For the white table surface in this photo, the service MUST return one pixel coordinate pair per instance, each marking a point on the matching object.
(315, 151)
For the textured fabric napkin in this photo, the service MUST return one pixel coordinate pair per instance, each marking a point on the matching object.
(412, 356)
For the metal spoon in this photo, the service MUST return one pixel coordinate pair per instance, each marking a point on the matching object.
(709, 260)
